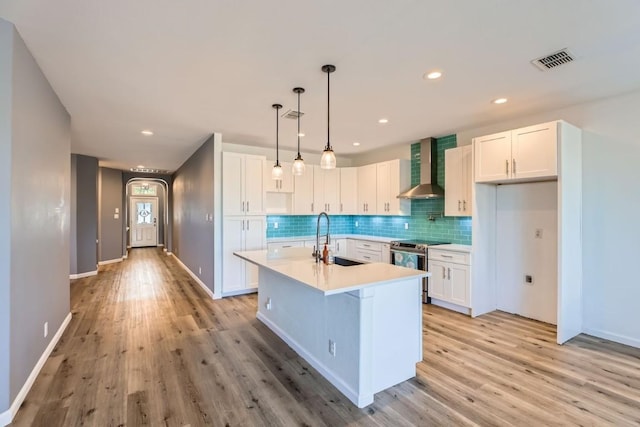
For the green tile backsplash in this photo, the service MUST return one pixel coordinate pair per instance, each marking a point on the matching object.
(450, 229)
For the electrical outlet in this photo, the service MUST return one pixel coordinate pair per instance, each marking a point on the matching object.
(356, 223)
(538, 233)
(199, 270)
(46, 329)
(332, 348)
(275, 225)
(528, 279)
(406, 225)
(268, 305)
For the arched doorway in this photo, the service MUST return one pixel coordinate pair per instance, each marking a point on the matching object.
(141, 189)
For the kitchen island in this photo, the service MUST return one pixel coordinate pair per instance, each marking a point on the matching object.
(359, 326)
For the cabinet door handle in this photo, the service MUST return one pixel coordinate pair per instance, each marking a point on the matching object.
(446, 256)
(449, 273)
(338, 246)
(286, 246)
(444, 273)
(341, 210)
(458, 205)
(464, 205)
(312, 207)
(242, 206)
(247, 206)
(247, 225)
(243, 225)
(513, 169)
(506, 163)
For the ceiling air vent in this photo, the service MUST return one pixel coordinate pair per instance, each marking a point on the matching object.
(554, 60)
(292, 114)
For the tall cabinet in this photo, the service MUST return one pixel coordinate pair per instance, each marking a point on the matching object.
(244, 222)
(457, 181)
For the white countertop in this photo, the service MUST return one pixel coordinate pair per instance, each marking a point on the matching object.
(333, 236)
(299, 265)
(453, 247)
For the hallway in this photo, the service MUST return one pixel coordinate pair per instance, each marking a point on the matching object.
(147, 346)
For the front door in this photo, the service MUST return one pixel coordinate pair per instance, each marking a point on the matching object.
(144, 221)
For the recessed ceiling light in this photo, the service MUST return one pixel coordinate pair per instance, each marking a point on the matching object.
(301, 134)
(356, 144)
(432, 75)
(147, 132)
(383, 121)
(499, 100)
(140, 166)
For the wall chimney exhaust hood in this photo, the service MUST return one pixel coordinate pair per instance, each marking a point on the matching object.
(427, 189)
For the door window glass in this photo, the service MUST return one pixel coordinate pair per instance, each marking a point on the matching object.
(144, 212)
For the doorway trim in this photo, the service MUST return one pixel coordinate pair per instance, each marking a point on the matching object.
(165, 214)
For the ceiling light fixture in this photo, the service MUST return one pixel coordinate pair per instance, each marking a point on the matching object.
(276, 172)
(383, 121)
(328, 159)
(140, 166)
(356, 144)
(432, 75)
(499, 101)
(147, 132)
(298, 164)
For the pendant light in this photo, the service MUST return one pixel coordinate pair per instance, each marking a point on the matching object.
(298, 164)
(276, 172)
(328, 159)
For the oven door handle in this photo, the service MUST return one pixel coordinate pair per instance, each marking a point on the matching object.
(418, 253)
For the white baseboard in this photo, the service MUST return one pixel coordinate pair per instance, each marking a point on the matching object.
(240, 292)
(111, 261)
(194, 277)
(160, 245)
(7, 416)
(352, 395)
(450, 306)
(81, 275)
(622, 339)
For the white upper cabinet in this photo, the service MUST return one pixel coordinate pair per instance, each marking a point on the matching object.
(367, 189)
(392, 178)
(326, 190)
(457, 181)
(303, 203)
(348, 191)
(284, 185)
(525, 154)
(242, 184)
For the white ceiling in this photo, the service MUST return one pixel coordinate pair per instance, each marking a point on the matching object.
(187, 69)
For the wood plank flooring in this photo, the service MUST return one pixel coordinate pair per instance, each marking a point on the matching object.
(147, 346)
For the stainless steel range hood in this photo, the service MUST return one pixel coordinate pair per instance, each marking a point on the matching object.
(427, 189)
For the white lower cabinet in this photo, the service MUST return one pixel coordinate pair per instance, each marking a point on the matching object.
(242, 233)
(341, 247)
(284, 245)
(449, 279)
(368, 251)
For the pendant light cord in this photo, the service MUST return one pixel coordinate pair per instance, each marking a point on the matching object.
(328, 109)
(298, 124)
(277, 134)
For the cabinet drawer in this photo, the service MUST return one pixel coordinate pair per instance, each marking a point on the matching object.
(368, 246)
(368, 256)
(449, 256)
(282, 245)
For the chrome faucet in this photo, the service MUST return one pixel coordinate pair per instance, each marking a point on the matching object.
(318, 253)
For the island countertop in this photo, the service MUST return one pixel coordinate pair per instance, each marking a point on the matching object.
(299, 265)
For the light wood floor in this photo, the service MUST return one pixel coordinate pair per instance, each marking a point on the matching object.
(147, 347)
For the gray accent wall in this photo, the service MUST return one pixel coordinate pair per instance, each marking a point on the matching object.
(84, 213)
(6, 41)
(110, 196)
(193, 200)
(38, 138)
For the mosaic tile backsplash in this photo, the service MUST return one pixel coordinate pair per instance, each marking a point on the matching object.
(450, 229)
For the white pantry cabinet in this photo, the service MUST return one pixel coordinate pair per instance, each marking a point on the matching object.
(525, 154)
(348, 191)
(458, 180)
(242, 184)
(450, 278)
(284, 185)
(241, 234)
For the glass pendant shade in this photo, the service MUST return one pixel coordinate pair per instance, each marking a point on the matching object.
(328, 159)
(298, 166)
(276, 172)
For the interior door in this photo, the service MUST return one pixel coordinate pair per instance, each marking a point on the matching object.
(144, 221)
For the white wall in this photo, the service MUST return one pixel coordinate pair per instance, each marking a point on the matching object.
(521, 210)
(284, 155)
(611, 231)
(397, 151)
